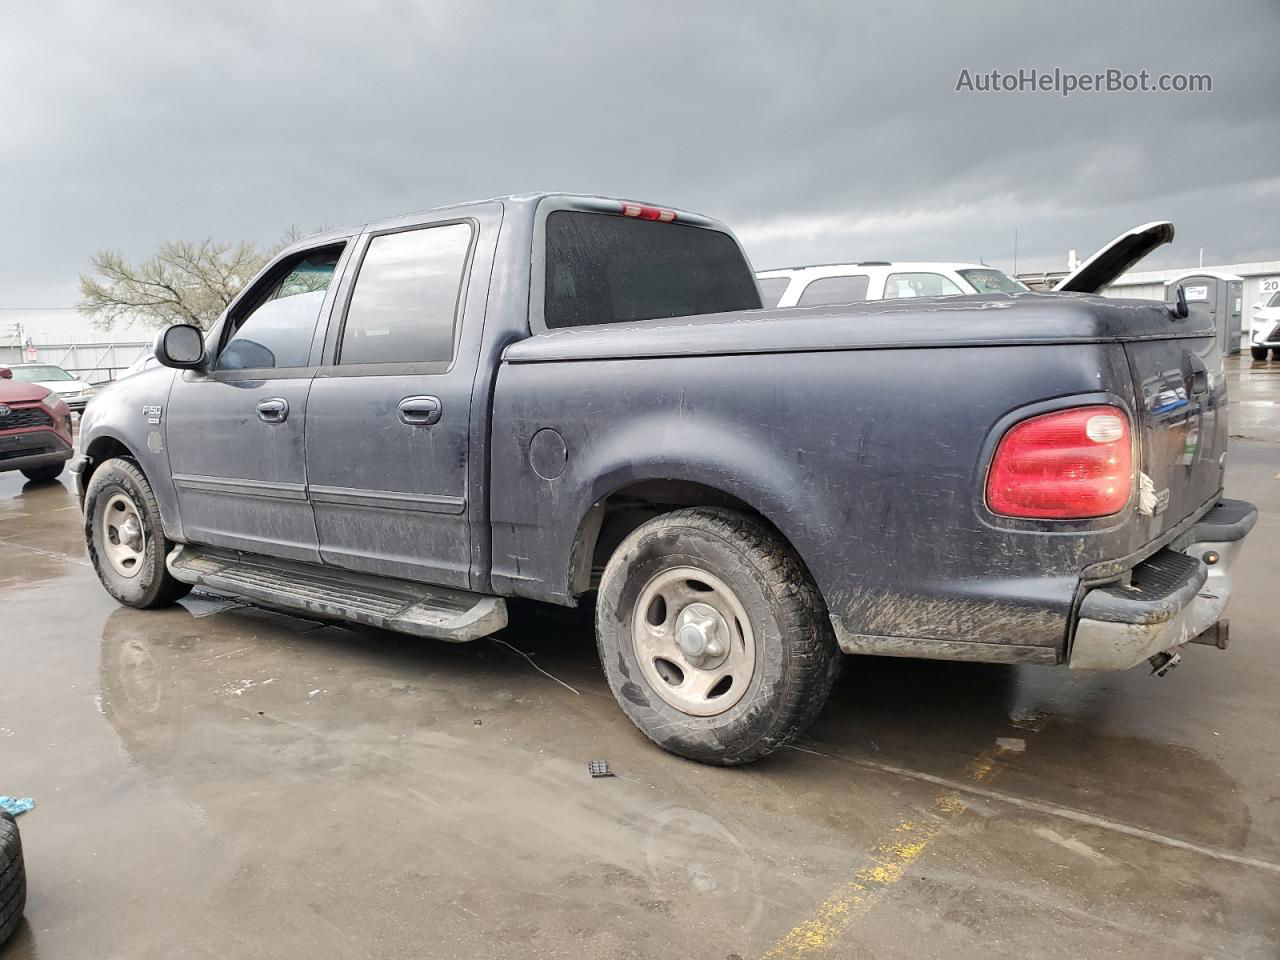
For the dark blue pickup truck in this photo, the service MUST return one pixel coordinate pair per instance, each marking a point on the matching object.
(571, 398)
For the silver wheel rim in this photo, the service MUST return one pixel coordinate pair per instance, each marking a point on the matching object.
(123, 541)
(693, 641)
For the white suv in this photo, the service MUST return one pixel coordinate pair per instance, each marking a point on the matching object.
(1265, 332)
(878, 280)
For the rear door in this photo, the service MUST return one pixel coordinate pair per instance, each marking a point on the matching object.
(234, 433)
(388, 439)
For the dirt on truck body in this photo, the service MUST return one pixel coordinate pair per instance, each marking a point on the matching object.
(570, 398)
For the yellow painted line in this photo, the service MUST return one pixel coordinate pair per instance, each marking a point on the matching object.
(889, 862)
(890, 858)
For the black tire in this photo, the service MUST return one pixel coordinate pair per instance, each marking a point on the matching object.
(1275, 353)
(1259, 353)
(13, 877)
(51, 472)
(795, 659)
(152, 585)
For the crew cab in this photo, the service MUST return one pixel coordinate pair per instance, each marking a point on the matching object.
(35, 429)
(577, 399)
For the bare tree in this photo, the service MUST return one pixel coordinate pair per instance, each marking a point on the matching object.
(183, 282)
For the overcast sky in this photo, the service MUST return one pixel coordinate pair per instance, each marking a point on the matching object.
(819, 131)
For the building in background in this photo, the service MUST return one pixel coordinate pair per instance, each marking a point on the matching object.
(68, 338)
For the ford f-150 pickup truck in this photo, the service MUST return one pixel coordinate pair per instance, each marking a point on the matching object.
(565, 397)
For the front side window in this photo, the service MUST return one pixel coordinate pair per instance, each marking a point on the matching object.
(992, 281)
(603, 268)
(772, 289)
(849, 289)
(278, 332)
(900, 285)
(406, 297)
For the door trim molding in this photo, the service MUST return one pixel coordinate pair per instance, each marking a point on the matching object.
(387, 499)
(270, 489)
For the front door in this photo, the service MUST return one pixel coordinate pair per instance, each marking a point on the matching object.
(388, 420)
(235, 432)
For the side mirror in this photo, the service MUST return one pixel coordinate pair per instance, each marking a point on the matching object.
(1179, 306)
(181, 346)
(6, 373)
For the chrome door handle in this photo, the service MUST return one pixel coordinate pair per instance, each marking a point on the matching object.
(273, 410)
(420, 411)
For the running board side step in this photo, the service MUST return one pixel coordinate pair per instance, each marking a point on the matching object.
(423, 611)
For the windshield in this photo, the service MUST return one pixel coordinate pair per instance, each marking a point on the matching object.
(992, 281)
(40, 373)
(1275, 300)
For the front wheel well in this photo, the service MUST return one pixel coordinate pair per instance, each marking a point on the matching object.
(612, 519)
(100, 451)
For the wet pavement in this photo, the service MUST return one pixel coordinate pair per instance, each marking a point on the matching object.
(218, 780)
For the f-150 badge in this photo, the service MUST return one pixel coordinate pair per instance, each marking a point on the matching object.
(152, 413)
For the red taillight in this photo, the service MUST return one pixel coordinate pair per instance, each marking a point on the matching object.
(647, 213)
(1069, 465)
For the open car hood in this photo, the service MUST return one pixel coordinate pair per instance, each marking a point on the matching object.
(1116, 257)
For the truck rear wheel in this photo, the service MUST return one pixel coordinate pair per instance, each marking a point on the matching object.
(125, 539)
(714, 638)
(1259, 353)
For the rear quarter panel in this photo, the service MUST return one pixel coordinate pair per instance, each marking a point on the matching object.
(872, 463)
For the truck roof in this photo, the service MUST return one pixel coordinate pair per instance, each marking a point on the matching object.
(525, 202)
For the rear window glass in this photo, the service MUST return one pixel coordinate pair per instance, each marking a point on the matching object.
(834, 290)
(772, 289)
(610, 269)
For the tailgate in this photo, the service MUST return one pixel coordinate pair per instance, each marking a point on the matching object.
(1182, 408)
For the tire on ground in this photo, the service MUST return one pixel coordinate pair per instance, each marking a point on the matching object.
(51, 472)
(796, 657)
(152, 585)
(1259, 353)
(13, 877)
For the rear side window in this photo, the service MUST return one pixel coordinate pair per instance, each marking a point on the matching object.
(834, 290)
(902, 285)
(772, 289)
(992, 281)
(278, 331)
(406, 297)
(609, 269)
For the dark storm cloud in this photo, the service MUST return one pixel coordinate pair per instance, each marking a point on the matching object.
(820, 131)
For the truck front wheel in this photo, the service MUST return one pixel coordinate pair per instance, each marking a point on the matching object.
(1259, 353)
(125, 539)
(713, 637)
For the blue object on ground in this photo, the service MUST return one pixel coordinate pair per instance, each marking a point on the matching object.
(16, 805)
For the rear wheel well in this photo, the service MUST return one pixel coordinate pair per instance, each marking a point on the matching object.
(611, 520)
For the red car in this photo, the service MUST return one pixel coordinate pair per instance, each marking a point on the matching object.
(35, 429)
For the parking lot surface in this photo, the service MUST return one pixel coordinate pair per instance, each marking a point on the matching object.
(224, 781)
